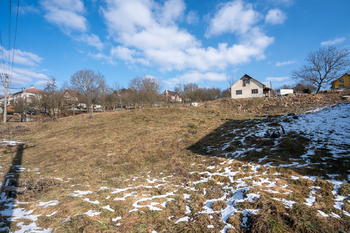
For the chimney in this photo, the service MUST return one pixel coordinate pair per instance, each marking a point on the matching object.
(31, 86)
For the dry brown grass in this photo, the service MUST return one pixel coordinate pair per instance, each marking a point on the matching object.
(13, 130)
(113, 148)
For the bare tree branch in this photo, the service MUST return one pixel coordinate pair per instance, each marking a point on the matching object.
(323, 66)
(89, 85)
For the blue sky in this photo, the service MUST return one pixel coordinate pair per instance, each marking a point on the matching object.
(176, 41)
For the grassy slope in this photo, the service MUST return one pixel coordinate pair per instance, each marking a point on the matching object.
(113, 148)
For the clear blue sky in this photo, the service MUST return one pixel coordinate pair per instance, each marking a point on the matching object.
(173, 40)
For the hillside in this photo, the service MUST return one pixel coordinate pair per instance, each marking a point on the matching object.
(226, 166)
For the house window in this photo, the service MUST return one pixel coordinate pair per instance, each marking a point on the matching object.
(254, 91)
(239, 92)
(341, 80)
(246, 81)
(341, 86)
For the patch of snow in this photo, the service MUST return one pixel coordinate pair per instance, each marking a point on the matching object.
(289, 165)
(271, 191)
(46, 204)
(310, 200)
(336, 185)
(49, 215)
(184, 219)
(125, 196)
(323, 213)
(164, 203)
(107, 207)
(287, 203)
(92, 213)
(93, 202)
(116, 219)
(188, 210)
(79, 193)
(338, 205)
(334, 215)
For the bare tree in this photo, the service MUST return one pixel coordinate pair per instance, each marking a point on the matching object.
(285, 86)
(152, 87)
(231, 80)
(52, 97)
(104, 97)
(89, 85)
(36, 103)
(20, 105)
(323, 66)
(191, 91)
(180, 90)
(146, 89)
(226, 93)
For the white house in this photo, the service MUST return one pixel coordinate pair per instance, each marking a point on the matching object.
(26, 93)
(248, 87)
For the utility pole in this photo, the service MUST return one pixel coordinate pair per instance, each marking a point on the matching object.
(5, 102)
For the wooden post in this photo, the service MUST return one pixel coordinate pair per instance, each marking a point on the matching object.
(5, 101)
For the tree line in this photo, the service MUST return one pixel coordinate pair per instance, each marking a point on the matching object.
(90, 88)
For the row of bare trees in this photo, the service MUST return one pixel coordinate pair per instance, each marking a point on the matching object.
(88, 88)
(91, 88)
(192, 92)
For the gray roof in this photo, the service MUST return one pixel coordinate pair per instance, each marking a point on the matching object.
(267, 84)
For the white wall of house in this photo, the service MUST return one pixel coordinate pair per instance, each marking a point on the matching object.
(247, 89)
(22, 95)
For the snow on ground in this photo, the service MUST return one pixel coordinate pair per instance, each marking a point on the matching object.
(327, 126)
(235, 191)
(10, 143)
(236, 183)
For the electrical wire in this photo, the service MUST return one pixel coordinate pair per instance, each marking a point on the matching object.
(15, 88)
(2, 52)
(14, 43)
(9, 57)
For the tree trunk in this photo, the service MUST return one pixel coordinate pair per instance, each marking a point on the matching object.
(91, 112)
(318, 89)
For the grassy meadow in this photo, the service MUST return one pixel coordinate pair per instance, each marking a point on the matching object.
(174, 169)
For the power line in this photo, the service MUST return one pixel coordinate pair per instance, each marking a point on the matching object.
(9, 31)
(14, 43)
(15, 88)
(2, 51)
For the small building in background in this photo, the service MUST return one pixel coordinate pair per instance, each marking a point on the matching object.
(341, 83)
(248, 87)
(299, 88)
(171, 96)
(284, 91)
(26, 94)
